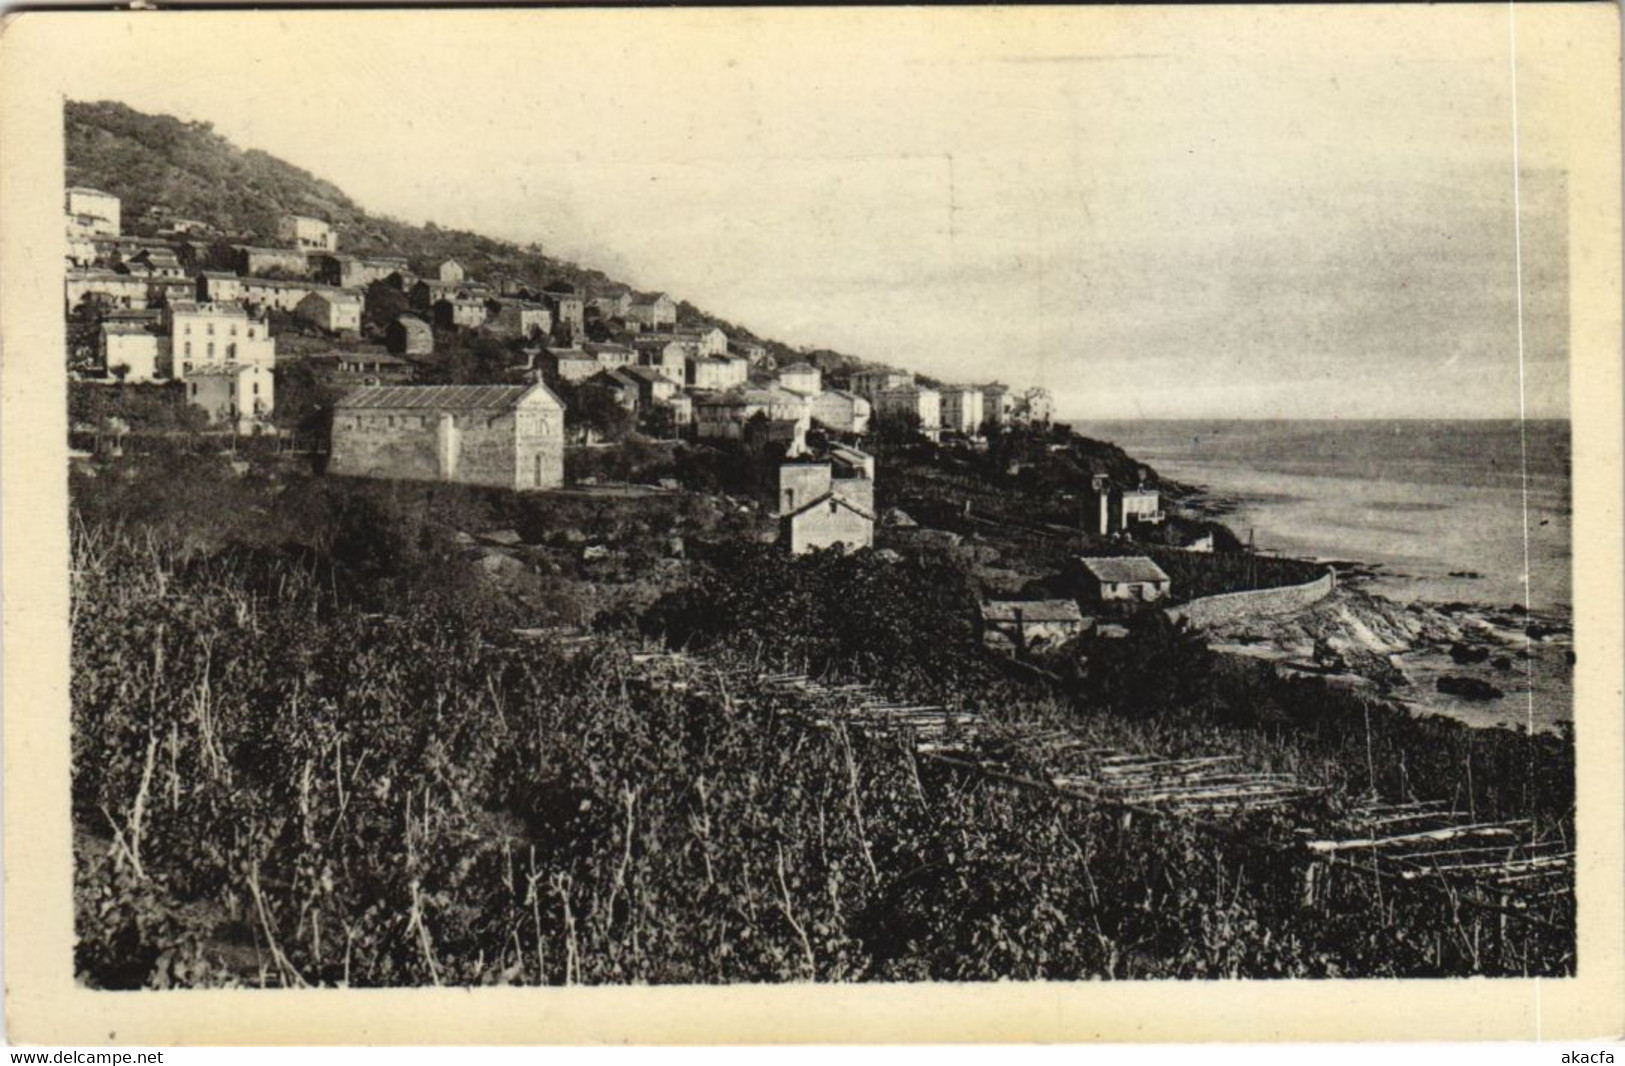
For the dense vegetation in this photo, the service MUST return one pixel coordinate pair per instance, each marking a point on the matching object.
(310, 747)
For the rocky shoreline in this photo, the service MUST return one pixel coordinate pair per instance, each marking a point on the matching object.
(1485, 664)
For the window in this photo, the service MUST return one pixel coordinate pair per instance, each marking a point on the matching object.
(211, 329)
(231, 350)
(234, 329)
(188, 351)
(211, 349)
(256, 388)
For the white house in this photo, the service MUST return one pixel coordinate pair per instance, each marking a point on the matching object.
(918, 400)
(129, 351)
(716, 372)
(871, 383)
(1124, 577)
(803, 378)
(237, 393)
(307, 234)
(962, 409)
(652, 311)
(452, 271)
(210, 334)
(843, 411)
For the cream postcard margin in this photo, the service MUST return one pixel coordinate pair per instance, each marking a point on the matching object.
(38, 55)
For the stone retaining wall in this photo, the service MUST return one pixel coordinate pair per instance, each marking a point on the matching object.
(1258, 603)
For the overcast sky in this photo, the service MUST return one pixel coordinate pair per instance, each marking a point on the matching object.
(1153, 212)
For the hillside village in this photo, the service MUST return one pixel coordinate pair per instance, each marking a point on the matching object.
(448, 613)
(428, 371)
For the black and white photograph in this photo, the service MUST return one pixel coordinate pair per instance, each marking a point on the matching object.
(862, 497)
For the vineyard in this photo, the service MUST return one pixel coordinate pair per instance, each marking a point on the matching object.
(298, 768)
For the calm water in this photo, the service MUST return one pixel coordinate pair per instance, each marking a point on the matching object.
(1422, 499)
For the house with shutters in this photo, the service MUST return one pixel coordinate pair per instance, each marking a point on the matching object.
(335, 310)
(651, 311)
(306, 233)
(214, 334)
(503, 436)
(239, 395)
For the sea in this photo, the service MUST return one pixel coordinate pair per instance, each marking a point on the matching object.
(1437, 508)
(1445, 512)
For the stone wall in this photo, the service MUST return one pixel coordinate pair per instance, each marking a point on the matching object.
(1259, 603)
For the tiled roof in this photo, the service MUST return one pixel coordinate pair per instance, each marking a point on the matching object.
(1124, 568)
(125, 328)
(434, 397)
(1032, 611)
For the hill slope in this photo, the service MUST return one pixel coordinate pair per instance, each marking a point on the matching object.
(150, 160)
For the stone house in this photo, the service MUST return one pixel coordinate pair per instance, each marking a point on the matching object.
(116, 290)
(335, 310)
(452, 271)
(611, 301)
(567, 307)
(459, 312)
(1035, 407)
(803, 378)
(354, 271)
(653, 384)
(618, 383)
(570, 365)
(996, 403)
(802, 481)
(239, 394)
(1020, 626)
(520, 318)
(610, 356)
(505, 436)
(160, 262)
(724, 415)
(753, 352)
(918, 400)
(845, 412)
(306, 233)
(651, 311)
(962, 409)
(363, 368)
(830, 521)
(668, 357)
(129, 352)
(871, 383)
(715, 372)
(1127, 578)
(275, 294)
(409, 335)
(250, 260)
